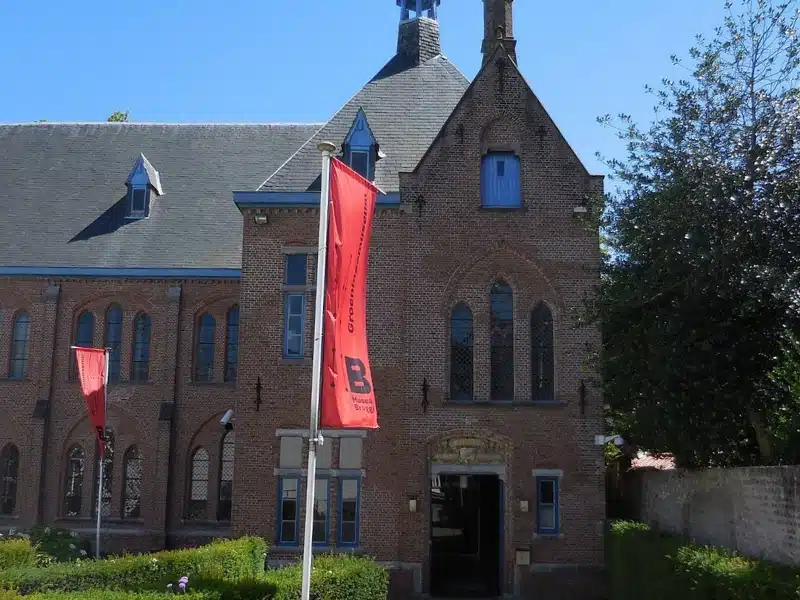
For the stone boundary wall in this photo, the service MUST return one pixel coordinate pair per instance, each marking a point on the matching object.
(754, 510)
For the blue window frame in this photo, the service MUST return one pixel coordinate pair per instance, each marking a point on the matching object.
(501, 185)
(322, 497)
(547, 505)
(349, 511)
(289, 511)
(295, 269)
(295, 309)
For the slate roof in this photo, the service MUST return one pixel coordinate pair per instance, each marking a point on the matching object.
(62, 192)
(405, 106)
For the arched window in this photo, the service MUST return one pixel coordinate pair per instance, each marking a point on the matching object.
(461, 352)
(114, 340)
(226, 478)
(19, 346)
(73, 494)
(205, 348)
(140, 368)
(198, 489)
(108, 473)
(9, 471)
(132, 485)
(84, 336)
(232, 344)
(542, 361)
(502, 343)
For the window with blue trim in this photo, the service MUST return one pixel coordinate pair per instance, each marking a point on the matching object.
(501, 185)
(547, 505)
(349, 507)
(321, 502)
(295, 275)
(288, 511)
(349, 501)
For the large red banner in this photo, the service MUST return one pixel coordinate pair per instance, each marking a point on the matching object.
(348, 398)
(92, 375)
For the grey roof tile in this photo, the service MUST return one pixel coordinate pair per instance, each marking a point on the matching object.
(406, 106)
(62, 192)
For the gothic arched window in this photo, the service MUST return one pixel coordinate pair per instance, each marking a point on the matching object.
(542, 355)
(461, 353)
(9, 472)
(501, 339)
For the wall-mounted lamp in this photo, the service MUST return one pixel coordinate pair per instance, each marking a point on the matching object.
(412, 504)
(260, 219)
(523, 506)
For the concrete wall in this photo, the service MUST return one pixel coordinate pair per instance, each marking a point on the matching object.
(755, 511)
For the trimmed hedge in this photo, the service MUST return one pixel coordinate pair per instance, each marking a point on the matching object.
(334, 578)
(17, 552)
(224, 560)
(646, 564)
(110, 595)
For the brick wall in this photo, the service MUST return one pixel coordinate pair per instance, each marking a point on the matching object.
(440, 248)
(755, 511)
(136, 410)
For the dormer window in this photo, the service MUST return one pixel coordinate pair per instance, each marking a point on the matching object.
(359, 162)
(360, 147)
(139, 199)
(501, 185)
(142, 180)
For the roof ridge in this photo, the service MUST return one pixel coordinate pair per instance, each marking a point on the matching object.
(154, 123)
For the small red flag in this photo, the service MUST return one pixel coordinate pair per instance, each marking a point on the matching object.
(348, 398)
(92, 375)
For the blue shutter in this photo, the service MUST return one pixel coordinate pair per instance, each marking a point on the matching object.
(500, 180)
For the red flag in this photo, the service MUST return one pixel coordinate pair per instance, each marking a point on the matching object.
(348, 399)
(92, 375)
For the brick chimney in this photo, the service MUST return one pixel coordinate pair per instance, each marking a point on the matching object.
(418, 40)
(498, 19)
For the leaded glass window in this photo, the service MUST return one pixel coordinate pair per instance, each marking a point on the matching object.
(461, 353)
(9, 473)
(226, 478)
(198, 488)
(542, 359)
(502, 342)
(132, 490)
(73, 494)
(114, 340)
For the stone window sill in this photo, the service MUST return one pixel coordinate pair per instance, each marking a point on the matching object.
(222, 384)
(549, 536)
(298, 362)
(503, 208)
(479, 403)
(16, 380)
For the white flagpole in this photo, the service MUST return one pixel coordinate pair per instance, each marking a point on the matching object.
(315, 438)
(107, 355)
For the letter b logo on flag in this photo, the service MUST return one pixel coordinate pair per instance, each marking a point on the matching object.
(356, 375)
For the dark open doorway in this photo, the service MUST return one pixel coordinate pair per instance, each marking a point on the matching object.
(466, 536)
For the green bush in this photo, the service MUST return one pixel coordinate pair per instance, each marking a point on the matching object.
(59, 544)
(17, 552)
(224, 560)
(333, 578)
(109, 595)
(646, 564)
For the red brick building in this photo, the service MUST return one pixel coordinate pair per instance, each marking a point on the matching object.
(485, 476)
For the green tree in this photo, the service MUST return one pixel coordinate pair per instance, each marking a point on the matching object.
(119, 116)
(700, 294)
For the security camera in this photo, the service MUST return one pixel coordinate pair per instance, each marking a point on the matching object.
(225, 421)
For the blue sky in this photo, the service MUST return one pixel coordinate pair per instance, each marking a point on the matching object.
(300, 60)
